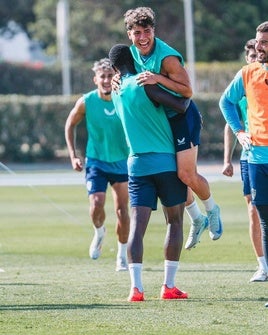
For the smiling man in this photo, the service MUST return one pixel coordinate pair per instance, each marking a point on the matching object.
(159, 63)
(252, 81)
(106, 159)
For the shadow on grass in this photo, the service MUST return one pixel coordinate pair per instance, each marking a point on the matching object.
(21, 284)
(201, 270)
(50, 307)
(218, 270)
(211, 301)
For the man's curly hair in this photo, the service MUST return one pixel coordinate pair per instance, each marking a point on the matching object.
(102, 64)
(140, 16)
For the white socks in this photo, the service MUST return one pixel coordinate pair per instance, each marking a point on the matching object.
(262, 263)
(193, 210)
(135, 270)
(171, 268)
(209, 203)
(99, 231)
(121, 250)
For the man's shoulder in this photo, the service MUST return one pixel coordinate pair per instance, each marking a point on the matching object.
(163, 45)
(166, 49)
(91, 94)
(92, 97)
(251, 67)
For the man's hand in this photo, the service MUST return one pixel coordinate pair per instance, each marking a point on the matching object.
(77, 164)
(228, 169)
(147, 78)
(244, 139)
(116, 82)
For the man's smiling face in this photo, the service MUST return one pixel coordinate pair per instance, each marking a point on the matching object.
(142, 38)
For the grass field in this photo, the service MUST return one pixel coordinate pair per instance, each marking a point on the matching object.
(50, 286)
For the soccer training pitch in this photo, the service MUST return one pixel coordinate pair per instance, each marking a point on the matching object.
(50, 286)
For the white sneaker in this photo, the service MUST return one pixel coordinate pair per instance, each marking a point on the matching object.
(197, 228)
(259, 275)
(96, 245)
(121, 264)
(214, 223)
(2, 270)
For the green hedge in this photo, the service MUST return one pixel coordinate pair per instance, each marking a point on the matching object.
(32, 128)
(27, 80)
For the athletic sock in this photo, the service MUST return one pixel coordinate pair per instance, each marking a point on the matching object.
(121, 250)
(262, 263)
(171, 268)
(99, 231)
(193, 210)
(135, 270)
(209, 203)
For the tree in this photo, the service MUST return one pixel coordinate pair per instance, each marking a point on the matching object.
(19, 11)
(221, 27)
(96, 25)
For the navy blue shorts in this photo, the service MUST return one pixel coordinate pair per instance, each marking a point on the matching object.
(258, 175)
(186, 128)
(245, 177)
(144, 191)
(97, 180)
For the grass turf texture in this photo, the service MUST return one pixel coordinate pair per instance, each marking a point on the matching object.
(50, 286)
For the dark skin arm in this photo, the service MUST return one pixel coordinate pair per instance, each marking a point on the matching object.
(159, 96)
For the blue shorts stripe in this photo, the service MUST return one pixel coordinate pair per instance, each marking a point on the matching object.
(245, 177)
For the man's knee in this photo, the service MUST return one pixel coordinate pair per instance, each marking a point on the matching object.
(186, 176)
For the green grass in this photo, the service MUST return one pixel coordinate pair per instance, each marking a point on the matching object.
(50, 286)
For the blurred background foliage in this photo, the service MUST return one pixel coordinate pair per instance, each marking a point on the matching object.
(220, 27)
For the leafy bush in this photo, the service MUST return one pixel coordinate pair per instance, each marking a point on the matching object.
(32, 128)
(29, 80)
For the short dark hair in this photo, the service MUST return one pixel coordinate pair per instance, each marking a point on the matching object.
(140, 16)
(263, 27)
(120, 55)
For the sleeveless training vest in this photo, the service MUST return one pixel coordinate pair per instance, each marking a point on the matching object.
(255, 80)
